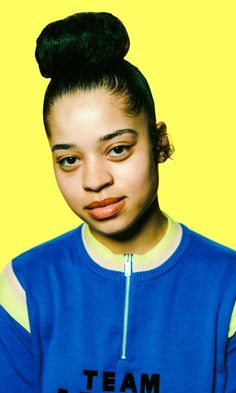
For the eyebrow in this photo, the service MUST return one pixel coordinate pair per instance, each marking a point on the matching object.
(107, 137)
(63, 146)
(114, 134)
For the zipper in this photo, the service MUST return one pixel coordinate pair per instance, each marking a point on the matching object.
(127, 271)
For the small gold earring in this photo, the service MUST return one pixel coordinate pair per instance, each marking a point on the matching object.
(162, 157)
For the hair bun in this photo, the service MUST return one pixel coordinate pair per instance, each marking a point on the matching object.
(69, 44)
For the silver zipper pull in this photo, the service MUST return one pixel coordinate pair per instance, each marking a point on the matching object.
(128, 264)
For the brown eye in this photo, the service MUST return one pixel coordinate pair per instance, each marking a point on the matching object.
(118, 151)
(69, 162)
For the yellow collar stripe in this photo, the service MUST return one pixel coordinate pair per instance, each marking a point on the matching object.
(150, 260)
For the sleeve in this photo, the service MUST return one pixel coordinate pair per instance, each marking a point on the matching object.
(231, 356)
(16, 355)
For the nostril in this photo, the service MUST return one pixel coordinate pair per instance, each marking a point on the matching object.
(96, 187)
(97, 182)
(95, 174)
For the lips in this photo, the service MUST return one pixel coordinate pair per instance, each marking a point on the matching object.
(105, 208)
(103, 202)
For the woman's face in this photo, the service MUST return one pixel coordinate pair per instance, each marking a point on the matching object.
(103, 160)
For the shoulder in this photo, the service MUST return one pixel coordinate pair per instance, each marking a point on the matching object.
(41, 258)
(21, 276)
(208, 251)
(51, 248)
(208, 244)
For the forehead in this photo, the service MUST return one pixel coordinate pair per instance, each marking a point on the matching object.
(96, 111)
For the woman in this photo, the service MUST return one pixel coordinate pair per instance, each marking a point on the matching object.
(130, 301)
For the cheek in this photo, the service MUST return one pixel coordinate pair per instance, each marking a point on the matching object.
(139, 176)
(67, 185)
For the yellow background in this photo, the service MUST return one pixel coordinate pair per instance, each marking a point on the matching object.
(186, 50)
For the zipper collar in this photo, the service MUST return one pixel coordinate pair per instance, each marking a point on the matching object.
(141, 263)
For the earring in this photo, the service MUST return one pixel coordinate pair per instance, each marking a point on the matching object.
(162, 156)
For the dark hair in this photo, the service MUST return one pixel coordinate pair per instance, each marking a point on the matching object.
(86, 51)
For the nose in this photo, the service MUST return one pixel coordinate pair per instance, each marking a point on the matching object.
(96, 176)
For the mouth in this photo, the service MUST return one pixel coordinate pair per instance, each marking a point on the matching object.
(105, 208)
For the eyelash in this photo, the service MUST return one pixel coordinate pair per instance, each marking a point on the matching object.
(125, 149)
(62, 161)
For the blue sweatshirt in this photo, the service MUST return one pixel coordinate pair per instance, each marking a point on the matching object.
(76, 318)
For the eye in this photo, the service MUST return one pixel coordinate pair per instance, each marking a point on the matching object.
(69, 162)
(118, 151)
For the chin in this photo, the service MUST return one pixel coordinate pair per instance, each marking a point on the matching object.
(109, 230)
(113, 227)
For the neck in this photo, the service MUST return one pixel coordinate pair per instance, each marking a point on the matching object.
(140, 237)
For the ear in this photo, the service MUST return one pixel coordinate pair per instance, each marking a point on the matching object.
(164, 147)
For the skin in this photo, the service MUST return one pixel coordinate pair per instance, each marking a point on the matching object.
(101, 152)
